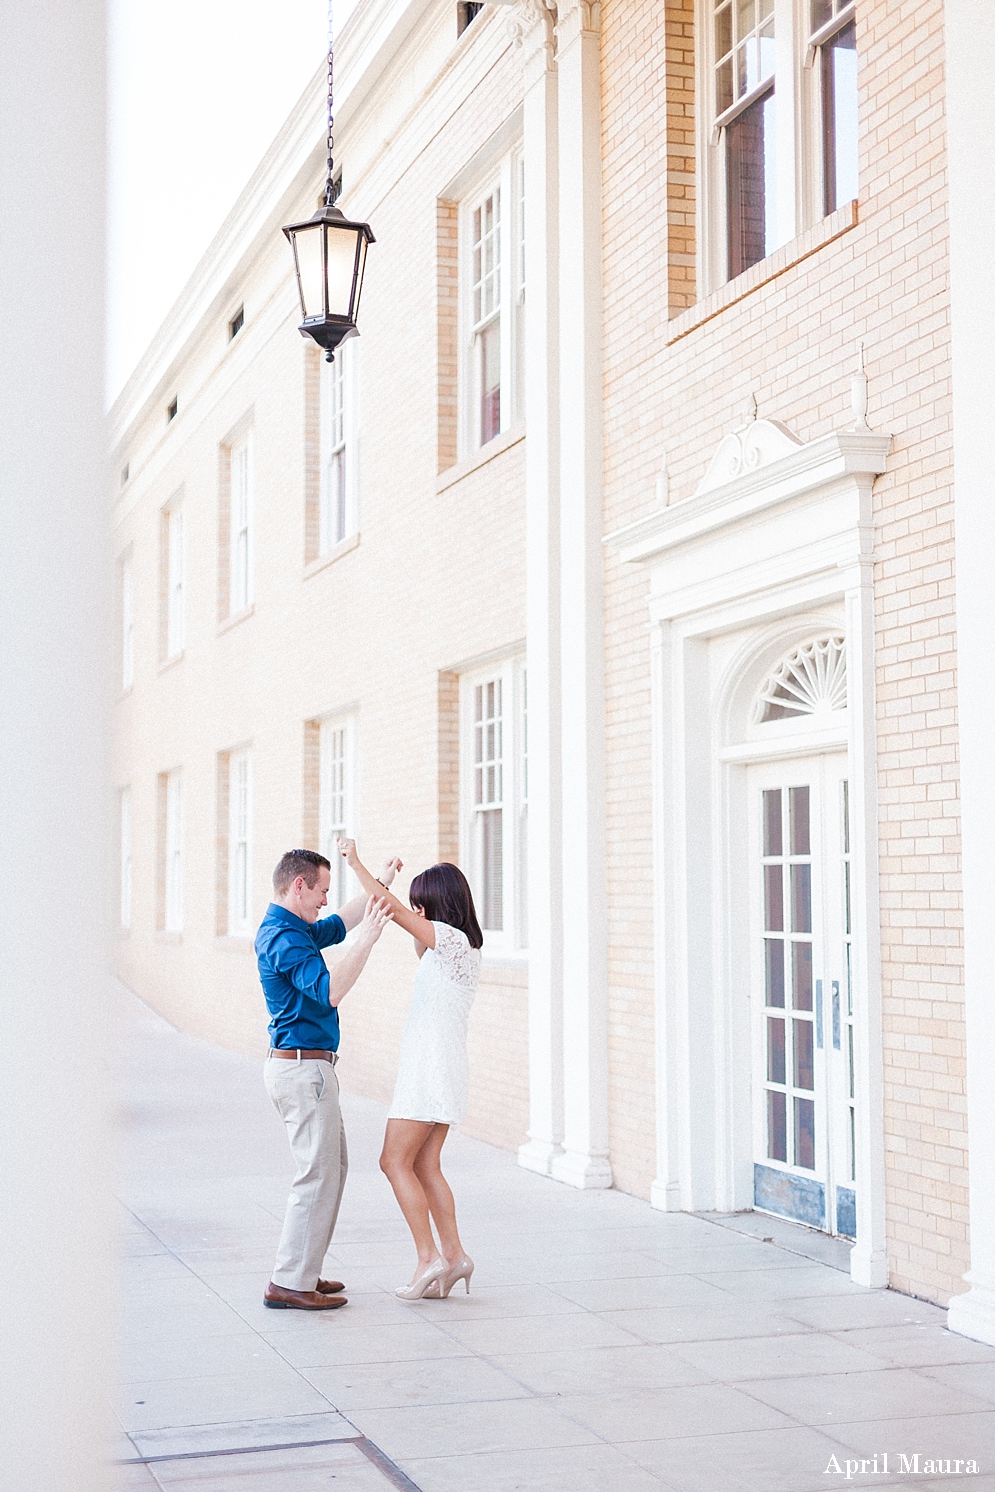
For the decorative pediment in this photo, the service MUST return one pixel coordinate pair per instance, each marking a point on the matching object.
(755, 444)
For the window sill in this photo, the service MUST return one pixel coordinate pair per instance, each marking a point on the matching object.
(168, 937)
(783, 259)
(233, 621)
(168, 663)
(230, 943)
(505, 968)
(344, 546)
(495, 447)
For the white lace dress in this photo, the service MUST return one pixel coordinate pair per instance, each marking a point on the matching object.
(433, 1073)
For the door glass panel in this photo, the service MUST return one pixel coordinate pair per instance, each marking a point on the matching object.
(801, 976)
(774, 956)
(777, 1126)
(804, 1066)
(805, 1133)
(801, 898)
(775, 1050)
(772, 822)
(774, 897)
(801, 834)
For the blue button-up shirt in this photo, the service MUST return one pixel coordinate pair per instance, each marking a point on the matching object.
(295, 978)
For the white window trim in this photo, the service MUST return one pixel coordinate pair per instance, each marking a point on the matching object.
(347, 365)
(798, 124)
(342, 882)
(175, 580)
(239, 924)
(125, 820)
(505, 175)
(512, 938)
(173, 918)
(237, 600)
(127, 621)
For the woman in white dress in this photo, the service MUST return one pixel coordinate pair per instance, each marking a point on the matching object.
(433, 1073)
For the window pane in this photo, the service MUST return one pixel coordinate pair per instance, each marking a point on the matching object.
(774, 898)
(805, 1133)
(723, 31)
(777, 1126)
(775, 1051)
(750, 184)
(804, 1069)
(801, 898)
(493, 869)
(839, 117)
(800, 835)
(772, 822)
(801, 976)
(775, 972)
(489, 348)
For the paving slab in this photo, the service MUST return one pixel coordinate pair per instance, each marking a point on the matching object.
(603, 1345)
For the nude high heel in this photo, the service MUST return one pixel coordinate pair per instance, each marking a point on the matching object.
(436, 1272)
(461, 1270)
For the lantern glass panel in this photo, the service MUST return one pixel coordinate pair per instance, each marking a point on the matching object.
(307, 241)
(341, 267)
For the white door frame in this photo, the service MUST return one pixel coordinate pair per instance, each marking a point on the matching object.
(776, 542)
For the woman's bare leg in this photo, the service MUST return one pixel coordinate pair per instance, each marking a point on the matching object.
(402, 1143)
(428, 1171)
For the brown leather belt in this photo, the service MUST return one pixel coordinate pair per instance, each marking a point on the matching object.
(300, 1054)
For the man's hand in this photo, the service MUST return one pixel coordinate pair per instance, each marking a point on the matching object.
(374, 921)
(389, 870)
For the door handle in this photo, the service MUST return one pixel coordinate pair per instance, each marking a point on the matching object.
(818, 1013)
(836, 1014)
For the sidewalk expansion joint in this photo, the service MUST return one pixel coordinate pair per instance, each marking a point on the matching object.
(372, 1452)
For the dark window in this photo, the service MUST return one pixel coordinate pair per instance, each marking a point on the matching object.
(750, 184)
(237, 322)
(465, 13)
(171, 411)
(839, 117)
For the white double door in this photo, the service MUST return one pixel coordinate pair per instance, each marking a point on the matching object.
(802, 991)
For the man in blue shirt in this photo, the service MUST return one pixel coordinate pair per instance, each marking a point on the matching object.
(303, 996)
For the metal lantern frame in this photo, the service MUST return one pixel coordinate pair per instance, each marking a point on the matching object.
(342, 263)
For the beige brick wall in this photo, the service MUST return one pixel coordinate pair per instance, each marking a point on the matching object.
(793, 341)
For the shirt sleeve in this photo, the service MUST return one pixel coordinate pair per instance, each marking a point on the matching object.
(298, 960)
(328, 931)
(451, 948)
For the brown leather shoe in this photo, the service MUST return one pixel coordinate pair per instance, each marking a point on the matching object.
(329, 1287)
(280, 1299)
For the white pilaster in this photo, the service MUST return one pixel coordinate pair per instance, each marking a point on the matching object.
(54, 1209)
(869, 1256)
(533, 25)
(970, 40)
(585, 964)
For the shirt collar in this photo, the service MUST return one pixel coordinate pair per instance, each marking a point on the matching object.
(276, 913)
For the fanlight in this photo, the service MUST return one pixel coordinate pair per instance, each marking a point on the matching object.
(810, 680)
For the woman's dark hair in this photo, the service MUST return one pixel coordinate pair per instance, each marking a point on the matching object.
(444, 895)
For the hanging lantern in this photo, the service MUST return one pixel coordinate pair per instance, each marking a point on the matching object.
(329, 256)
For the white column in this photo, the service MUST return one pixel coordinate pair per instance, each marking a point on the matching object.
(869, 1255)
(970, 44)
(533, 24)
(54, 840)
(585, 962)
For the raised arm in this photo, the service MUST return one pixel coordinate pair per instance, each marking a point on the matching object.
(344, 973)
(419, 927)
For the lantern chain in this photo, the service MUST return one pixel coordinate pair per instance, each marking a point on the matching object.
(329, 186)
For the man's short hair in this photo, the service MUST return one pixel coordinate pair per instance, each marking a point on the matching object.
(296, 863)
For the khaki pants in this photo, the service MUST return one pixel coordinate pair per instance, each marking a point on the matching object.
(306, 1096)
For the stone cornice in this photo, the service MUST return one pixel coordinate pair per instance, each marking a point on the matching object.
(574, 18)
(532, 28)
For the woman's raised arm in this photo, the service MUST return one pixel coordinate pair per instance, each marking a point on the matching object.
(413, 922)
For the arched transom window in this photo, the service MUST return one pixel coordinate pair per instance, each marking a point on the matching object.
(810, 680)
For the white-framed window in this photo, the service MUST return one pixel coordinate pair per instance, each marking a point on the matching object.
(337, 801)
(175, 565)
(127, 621)
(492, 274)
(494, 799)
(240, 543)
(173, 921)
(124, 821)
(338, 509)
(779, 146)
(240, 844)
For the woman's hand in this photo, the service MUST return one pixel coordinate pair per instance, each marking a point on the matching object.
(347, 849)
(389, 870)
(378, 914)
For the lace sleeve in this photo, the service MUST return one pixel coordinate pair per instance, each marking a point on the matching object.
(452, 948)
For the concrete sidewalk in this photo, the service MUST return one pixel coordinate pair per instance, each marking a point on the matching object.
(604, 1345)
